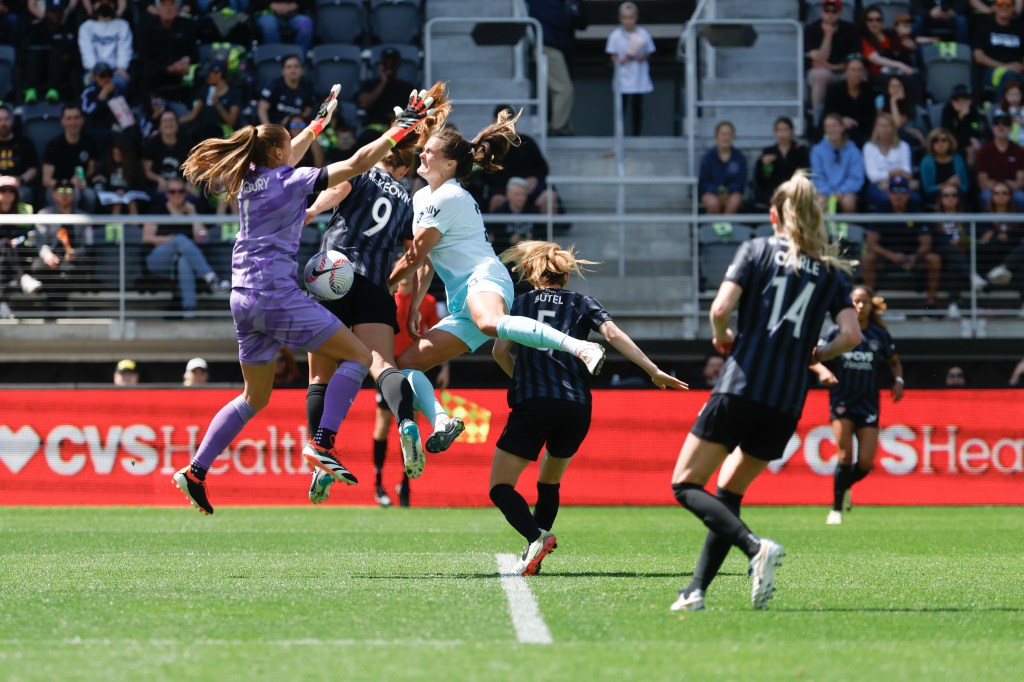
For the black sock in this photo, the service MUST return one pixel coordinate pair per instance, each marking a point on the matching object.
(314, 407)
(198, 471)
(325, 438)
(380, 448)
(516, 511)
(717, 516)
(716, 547)
(546, 509)
(841, 480)
(397, 394)
(858, 475)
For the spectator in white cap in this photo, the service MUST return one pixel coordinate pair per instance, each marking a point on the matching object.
(196, 372)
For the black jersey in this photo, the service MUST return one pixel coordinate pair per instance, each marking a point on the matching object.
(857, 370)
(552, 373)
(781, 311)
(374, 218)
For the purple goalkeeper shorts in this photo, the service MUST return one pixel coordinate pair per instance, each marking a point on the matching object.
(266, 320)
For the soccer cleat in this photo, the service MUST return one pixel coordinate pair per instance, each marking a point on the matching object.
(847, 501)
(592, 355)
(439, 441)
(325, 460)
(194, 489)
(1000, 274)
(762, 569)
(320, 486)
(535, 553)
(403, 495)
(834, 518)
(412, 448)
(694, 601)
(382, 497)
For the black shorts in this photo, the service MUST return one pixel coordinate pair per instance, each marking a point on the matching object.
(561, 424)
(365, 303)
(860, 421)
(760, 431)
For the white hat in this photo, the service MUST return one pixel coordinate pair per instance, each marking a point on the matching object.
(196, 363)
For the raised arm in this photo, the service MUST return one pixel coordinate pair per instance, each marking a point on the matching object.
(621, 342)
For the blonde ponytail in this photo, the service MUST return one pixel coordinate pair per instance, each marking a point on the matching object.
(803, 224)
(544, 263)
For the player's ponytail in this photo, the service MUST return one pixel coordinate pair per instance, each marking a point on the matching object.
(803, 224)
(544, 263)
(486, 151)
(228, 162)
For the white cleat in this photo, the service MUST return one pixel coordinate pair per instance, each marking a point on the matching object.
(535, 553)
(592, 355)
(320, 486)
(834, 518)
(412, 448)
(762, 569)
(689, 602)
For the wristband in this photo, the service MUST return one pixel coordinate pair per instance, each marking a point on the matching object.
(316, 127)
(899, 380)
(395, 135)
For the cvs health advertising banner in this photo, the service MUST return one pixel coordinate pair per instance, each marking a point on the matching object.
(121, 446)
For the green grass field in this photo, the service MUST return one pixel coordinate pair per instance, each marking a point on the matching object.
(398, 594)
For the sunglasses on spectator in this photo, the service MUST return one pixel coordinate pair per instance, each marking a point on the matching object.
(175, 191)
(65, 190)
(942, 139)
(955, 375)
(830, 10)
(1001, 192)
(8, 189)
(872, 19)
(950, 195)
(296, 124)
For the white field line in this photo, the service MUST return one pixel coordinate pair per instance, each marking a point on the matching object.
(300, 642)
(526, 619)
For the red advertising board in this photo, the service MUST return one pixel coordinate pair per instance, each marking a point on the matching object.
(120, 446)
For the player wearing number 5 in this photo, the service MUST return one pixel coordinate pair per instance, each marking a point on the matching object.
(448, 227)
(372, 217)
(784, 285)
(268, 308)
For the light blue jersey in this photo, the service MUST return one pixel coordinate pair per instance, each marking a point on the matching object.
(463, 258)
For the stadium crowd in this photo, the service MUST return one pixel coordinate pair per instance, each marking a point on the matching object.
(910, 111)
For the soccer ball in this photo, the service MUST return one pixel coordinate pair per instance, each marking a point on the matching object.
(328, 275)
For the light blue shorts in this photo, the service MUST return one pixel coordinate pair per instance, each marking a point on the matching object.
(461, 324)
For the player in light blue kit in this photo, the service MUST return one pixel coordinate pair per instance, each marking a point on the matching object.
(267, 305)
(448, 227)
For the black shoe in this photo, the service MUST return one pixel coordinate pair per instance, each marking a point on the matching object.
(194, 489)
(403, 494)
(440, 441)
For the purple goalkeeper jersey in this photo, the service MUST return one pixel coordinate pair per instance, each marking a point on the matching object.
(272, 210)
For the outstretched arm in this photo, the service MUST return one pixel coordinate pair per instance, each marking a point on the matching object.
(621, 342)
(327, 200)
(301, 142)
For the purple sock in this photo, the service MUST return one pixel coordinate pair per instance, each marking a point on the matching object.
(341, 392)
(227, 424)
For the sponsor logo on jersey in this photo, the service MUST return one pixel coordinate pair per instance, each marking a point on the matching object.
(257, 185)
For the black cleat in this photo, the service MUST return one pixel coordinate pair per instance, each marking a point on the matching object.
(194, 489)
(440, 441)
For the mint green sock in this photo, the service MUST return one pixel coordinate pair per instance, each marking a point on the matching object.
(532, 333)
(424, 399)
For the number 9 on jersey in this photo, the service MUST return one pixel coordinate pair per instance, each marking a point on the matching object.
(328, 275)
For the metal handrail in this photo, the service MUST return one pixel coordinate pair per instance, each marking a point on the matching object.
(541, 99)
(976, 326)
(692, 101)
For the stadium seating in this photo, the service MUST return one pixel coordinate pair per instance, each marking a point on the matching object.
(395, 21)
(412, 59)
(340, 21)
(336, 63)
(267, 59)
(947, 65)
(41, 127)
(718, 243)
(890, 8)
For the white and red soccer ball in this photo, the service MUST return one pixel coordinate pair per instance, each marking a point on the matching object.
(328, 275)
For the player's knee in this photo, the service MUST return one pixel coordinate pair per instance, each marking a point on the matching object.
(684, 493)
(500, 493)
